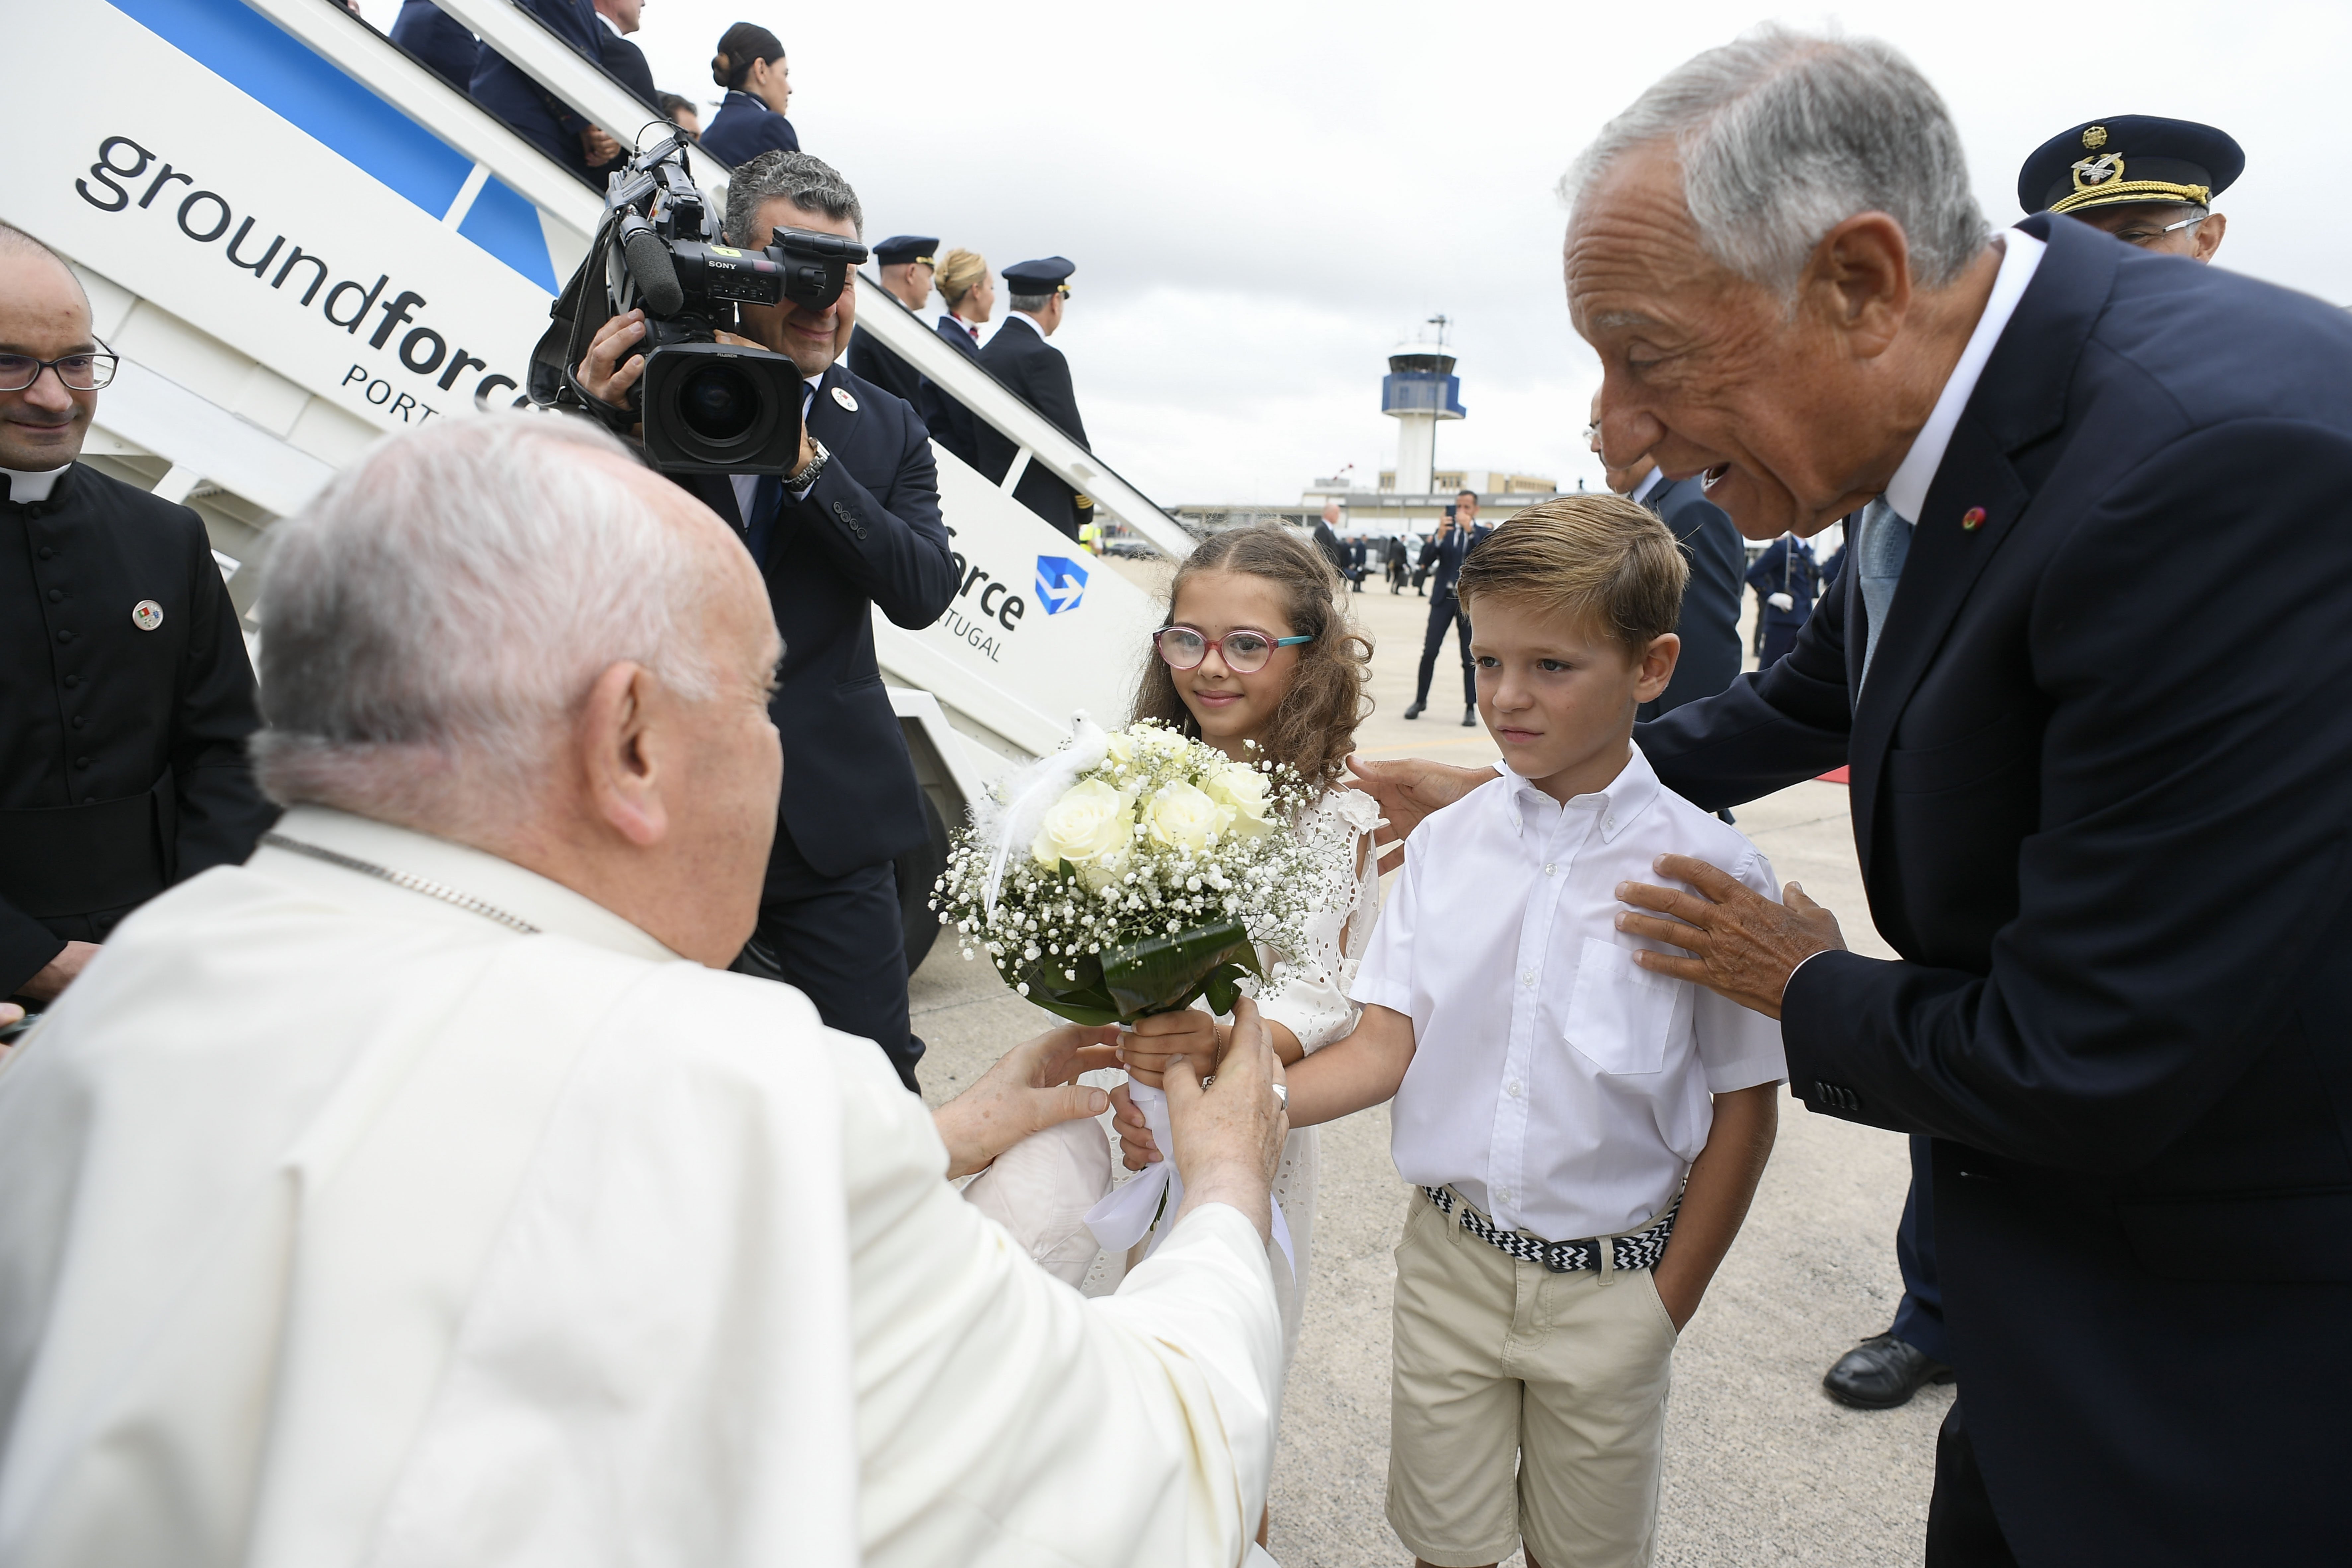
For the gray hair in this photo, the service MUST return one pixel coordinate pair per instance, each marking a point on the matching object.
(434, 618)
(1783, 135)
(810, 184)
(1032, 303)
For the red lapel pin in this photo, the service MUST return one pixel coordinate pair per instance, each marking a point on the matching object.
(1972, 519)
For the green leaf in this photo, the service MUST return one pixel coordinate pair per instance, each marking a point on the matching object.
(1082, 1000)
(1163, 974)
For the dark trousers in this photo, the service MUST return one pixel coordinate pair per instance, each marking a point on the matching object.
(1962, 1530)
(1919, 1320)
(1780, 637)
(840, 940)
(1445, 610)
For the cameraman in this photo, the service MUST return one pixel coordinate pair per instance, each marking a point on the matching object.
(856, 523)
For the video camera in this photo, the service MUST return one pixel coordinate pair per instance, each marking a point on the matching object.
(705, 407)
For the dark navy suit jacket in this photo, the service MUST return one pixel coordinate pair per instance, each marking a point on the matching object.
(2117, 859)
(744, 128)
(867, 535)
(439, 42)
(952, 424)
(1709, 625)
(1448, 554)
(529, 110)
(1035, 371)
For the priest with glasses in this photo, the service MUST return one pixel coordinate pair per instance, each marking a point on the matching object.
(125, 692)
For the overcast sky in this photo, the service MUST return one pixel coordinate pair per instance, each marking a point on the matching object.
(1262, 199)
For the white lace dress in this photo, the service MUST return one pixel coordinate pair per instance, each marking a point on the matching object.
(1309, 998)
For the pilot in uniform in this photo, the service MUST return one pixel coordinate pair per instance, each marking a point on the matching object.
(2150, 182)
(907, 264)
(1034, 370)
(125, 693)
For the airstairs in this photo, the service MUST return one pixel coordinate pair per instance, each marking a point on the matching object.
(298, 239)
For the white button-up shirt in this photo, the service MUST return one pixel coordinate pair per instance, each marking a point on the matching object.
(1555, 1084)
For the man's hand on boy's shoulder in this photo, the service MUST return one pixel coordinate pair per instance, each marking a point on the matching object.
(1743, 945)
(1408, 790)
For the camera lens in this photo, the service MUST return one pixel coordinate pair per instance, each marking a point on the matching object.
(718, 401)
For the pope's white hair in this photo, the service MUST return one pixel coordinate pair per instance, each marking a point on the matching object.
(1783, 135)
(433, 620)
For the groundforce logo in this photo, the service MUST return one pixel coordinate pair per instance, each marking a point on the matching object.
(206, 217)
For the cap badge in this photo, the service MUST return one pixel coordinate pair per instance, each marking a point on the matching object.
(841, 395)
(2091, 173)
(2094, 137)
(146, 615)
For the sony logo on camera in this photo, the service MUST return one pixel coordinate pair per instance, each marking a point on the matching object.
(205, 217)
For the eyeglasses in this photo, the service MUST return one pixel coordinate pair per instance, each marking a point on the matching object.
(1244, 652)
(78, 373)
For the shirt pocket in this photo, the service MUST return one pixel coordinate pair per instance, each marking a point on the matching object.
(1621, 1015)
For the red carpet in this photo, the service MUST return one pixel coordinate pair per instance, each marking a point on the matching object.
(1835, 775)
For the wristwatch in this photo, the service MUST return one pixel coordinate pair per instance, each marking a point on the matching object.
(799, 483)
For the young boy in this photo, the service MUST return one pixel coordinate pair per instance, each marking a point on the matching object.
(1582, 1135)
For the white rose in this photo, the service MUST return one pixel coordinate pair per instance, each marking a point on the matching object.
(1249, 791)
(1160, 739)
(1122, 746)
(1184, 816)
(1088, 822)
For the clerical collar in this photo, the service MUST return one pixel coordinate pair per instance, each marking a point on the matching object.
(27, 487)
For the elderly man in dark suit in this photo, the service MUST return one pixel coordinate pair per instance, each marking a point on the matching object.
(1034, 371)
(2112, 858)
(854, 527)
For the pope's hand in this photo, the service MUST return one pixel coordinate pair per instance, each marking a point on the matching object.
(1160, 1039)
(1229, 1134)
(1033, 1087)
(1408, 790)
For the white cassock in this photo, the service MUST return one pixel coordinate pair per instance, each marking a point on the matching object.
(341, 1225)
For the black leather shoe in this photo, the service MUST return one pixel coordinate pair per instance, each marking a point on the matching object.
(1470, 717)
(1881, 1372)
(1414, 711)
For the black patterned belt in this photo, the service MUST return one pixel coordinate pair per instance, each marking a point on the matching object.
(1640, 1250)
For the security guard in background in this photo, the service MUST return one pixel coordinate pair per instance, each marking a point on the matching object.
(2150, 182)
(125, 693)
(1446, 550)
(2146, 180)
(907, 264)
(1787, 580)
(1032, 368)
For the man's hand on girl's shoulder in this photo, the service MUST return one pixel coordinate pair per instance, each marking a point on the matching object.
(1408, 789)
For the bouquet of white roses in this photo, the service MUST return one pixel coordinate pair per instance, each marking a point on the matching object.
(1130, 873)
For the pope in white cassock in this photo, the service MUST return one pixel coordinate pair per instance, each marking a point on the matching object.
(423, 1193)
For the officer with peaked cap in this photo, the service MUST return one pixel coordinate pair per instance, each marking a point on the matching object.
(2149, 182)
(906, 261)
(1019, 357)
(2146, 180)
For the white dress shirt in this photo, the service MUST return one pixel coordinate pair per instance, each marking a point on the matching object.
(1652, 482)
(1555, 1084)
(747, 485)
(341, 1225)
(1907, 493)
(966, 327)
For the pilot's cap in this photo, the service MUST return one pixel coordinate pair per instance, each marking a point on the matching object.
(901, 248)
(1050, 276)
(2130, 160)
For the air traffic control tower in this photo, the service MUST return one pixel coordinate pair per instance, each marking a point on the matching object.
(1419, 390)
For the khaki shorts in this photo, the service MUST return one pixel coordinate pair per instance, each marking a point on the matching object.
(1523, 1404)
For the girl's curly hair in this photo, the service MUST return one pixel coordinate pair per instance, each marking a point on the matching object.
(1315, 727)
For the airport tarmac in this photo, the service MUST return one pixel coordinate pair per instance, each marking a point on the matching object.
(1761, 1466)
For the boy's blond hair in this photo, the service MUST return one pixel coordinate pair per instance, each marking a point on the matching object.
(1599, 559)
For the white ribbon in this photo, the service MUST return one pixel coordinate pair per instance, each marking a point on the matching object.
(1121, 1220)
(1014, 824)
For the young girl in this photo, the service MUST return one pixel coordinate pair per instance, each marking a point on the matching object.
(1257, 648)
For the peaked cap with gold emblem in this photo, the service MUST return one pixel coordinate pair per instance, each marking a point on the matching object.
(2128, 160)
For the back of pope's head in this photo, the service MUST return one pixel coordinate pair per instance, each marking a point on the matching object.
(506, 631)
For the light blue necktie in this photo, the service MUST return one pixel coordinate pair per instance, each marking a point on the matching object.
(1879, 555)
